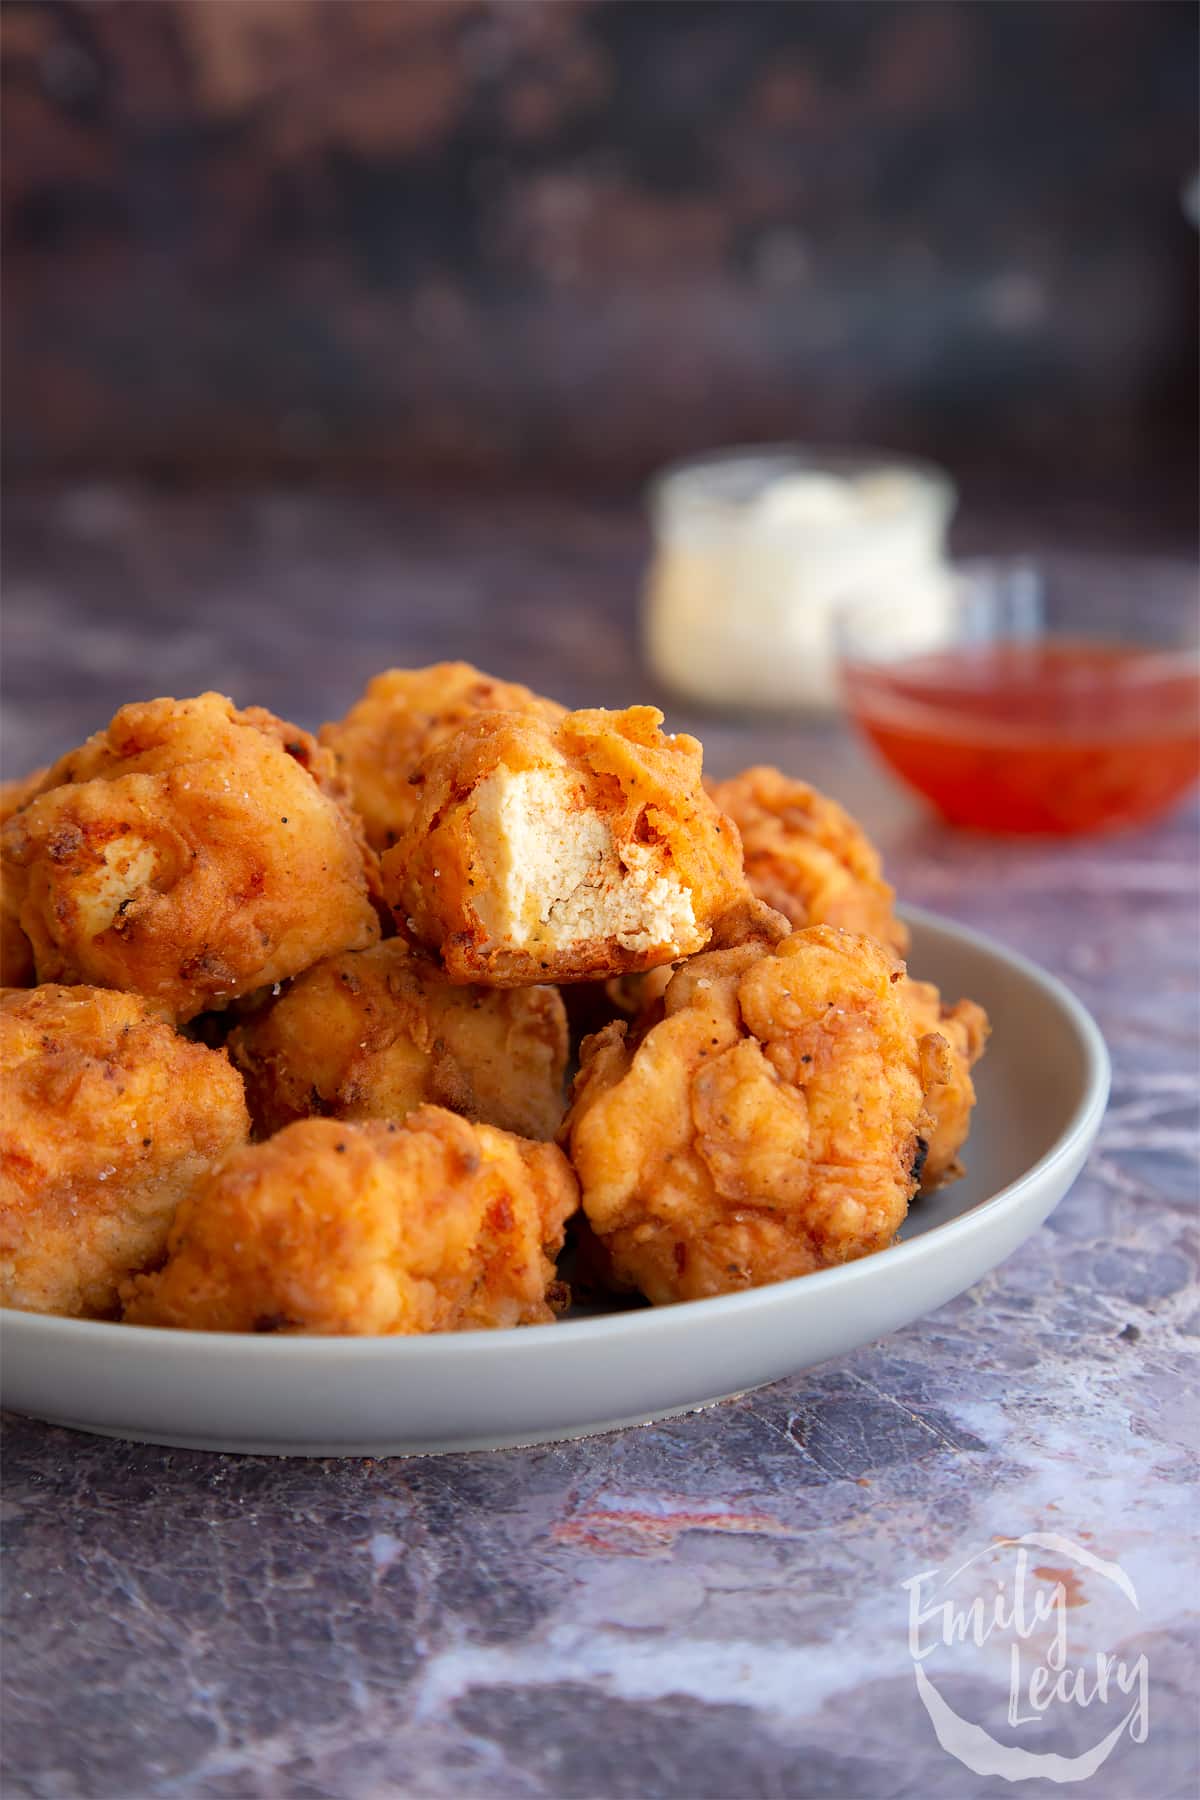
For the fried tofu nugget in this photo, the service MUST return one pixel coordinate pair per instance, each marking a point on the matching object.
(400, 718)
(956, 1038)
(807, 857)
(191, 853)
(767, 1126)
(16, 951)
(637, 996)
(107, 1118)
(564, 853)
(337, 1228)
(371, 1034)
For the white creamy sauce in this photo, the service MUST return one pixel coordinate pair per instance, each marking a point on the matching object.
(742, 592)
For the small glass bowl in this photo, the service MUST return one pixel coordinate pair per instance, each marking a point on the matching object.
(1057, 698)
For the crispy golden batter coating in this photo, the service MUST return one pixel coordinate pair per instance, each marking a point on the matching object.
(807, 857)
(564, 853)
(191, 853)
(371, 1034)
(107, 1118)
(593, 1004)
(634, 996)
(355, 1229)
(16, 951)
(766, 1127)
(404, 714)
(956, 1037)
(960, 1034)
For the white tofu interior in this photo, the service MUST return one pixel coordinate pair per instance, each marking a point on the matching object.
(558, 879)
(127, 866)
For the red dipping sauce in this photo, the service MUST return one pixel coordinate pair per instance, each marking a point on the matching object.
(1057, 736)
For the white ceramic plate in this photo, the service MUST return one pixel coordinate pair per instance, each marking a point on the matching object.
(1042, 1092)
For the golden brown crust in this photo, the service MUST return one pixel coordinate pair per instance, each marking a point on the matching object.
(960, 1033)
(593, 1004)
(375, 1033)
(807, 857)
(107, 1118)
(326, 770)
(401, 716)
(632, 996)
(337, 1228)
(192, 853)
(643, 785)
(16, 951)
(766, 1126)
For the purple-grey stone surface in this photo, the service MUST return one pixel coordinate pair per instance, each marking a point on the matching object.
(711, 1606)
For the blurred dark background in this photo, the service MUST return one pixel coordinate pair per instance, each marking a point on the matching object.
(556, 243)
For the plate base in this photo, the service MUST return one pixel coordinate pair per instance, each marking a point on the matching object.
(374, 1449)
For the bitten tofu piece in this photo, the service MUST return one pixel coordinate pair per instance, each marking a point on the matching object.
(403, 715)
(564, 853)
(107, 1119)
(769, 1124)
(350, 1229)
(191, 853)
(371, 1034)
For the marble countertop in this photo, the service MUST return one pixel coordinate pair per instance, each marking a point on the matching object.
(709, 1606)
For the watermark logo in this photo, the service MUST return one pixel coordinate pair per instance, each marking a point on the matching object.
(1013, 1600)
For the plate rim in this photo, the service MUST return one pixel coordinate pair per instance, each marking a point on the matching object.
(654, 1321)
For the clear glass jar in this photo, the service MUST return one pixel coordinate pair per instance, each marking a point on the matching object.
(753, 549)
